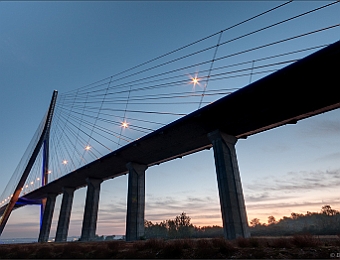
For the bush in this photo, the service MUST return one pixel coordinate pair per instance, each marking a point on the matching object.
(154, 244)
(224, 246)
(171, 250)
(242, 242)
(305, 240)
(44, 252)
(281, 243)
(253, 242)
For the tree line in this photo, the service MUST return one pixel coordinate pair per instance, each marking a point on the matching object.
(180, 227)
(325, 222)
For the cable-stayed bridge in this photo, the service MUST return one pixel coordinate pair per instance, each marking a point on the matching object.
(116, 126)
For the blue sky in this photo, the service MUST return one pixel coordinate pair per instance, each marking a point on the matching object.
(67, 45)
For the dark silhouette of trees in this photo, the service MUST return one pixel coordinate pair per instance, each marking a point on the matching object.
(180, 227)
(255, 222)
(327, 210)
(325, 222)
(271, 220)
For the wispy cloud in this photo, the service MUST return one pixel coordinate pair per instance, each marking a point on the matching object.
(265, 196)
(319, 128)
(328, 157)
(298, 181)
(292, 204)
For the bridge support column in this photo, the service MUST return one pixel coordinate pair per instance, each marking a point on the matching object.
(88, 231)
(234, 215)
(47, 218)
(135, 201)
(65, 215)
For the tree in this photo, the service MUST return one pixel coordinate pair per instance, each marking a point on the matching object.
(255, 222)
(271, 220)
(296, 215)
(327, 210)
(184, 227)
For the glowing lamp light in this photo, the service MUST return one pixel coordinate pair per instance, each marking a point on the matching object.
(125, 124)
(194, 81)
(65, 162)
(49, 172)
(27, 186)
(32, 182)
(38, 179)
(87, 148)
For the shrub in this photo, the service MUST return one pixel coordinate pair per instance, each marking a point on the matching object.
(253, 242)
(185, 243)
(224, 246)
(305, 240)
(20, 253)
(139, 245)
(204, 248)
(242, 242)
(171, 250)
(154, 244)
(114, 245)
(44, 252)
(281, 243)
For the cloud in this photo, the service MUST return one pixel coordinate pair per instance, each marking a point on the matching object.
(328, 157)
(298, 181)
(319, 128)
(265, 196)
(276, 148)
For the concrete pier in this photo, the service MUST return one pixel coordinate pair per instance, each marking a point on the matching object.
(47, 218)
(135, 201)
(65, 215)
(234, 215)
(91, 209)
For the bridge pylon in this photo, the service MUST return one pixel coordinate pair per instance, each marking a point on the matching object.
(43, 141)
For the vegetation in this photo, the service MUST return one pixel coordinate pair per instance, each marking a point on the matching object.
(298, 246)
(178, 238)
(325, 222)
(180, 227)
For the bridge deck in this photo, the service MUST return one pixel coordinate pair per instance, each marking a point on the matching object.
(300, 90)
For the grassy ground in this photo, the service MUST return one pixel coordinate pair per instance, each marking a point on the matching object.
(300, 246)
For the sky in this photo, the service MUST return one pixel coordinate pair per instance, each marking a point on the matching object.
(66, 45)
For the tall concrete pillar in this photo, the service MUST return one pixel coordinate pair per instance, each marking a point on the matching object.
(65, 215)
(88, 231)
(47, 218)
(234, 215)
(135, 201)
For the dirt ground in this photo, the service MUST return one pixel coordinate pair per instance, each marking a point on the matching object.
(297, 247)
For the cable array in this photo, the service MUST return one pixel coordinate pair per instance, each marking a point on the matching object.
(94, 120)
